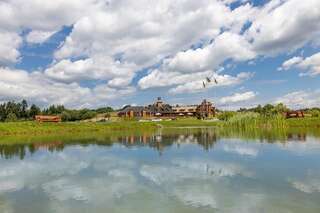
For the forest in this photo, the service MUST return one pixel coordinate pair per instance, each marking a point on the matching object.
(20, 111)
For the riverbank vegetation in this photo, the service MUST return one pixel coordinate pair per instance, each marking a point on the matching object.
(268, 117)
(243, 122)
(17, 120)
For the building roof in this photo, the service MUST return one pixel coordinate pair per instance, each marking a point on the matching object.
(133, 108)
(165, 108)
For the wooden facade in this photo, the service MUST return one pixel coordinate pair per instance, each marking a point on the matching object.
(188, 110)
(206, 110)
(48, 118)
(134, 112)
(294, 114)
(160, 109)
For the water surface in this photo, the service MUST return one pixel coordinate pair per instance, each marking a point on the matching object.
(182, 170)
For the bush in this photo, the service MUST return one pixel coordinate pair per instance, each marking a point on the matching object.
(315, 113)
(88, 115)
(65, 116)
(11, 117)
(77, 115)
(226, 115)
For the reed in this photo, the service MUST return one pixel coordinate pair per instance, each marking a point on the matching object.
(251, 120)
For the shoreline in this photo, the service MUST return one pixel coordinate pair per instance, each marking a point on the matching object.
(41, 129)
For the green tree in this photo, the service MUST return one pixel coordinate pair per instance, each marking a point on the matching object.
(34, 110)
(88, 115)
(281, 108)
(268, 110)
(3, 114)
(258, 109)
(24, 109)
(65, 116)
(104, 110)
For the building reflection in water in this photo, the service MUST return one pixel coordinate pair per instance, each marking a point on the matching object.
(157, 141)
(160, 141)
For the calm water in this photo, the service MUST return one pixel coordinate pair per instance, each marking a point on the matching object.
(185, 171)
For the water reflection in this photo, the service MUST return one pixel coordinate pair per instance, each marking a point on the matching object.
(159, 140)
(190, 170)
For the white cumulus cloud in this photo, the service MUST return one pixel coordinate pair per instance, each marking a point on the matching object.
(238, 97)
(300, 99)
(308, 66)
(37, 36)
(36, 87)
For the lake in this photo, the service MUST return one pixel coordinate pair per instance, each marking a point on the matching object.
(176, 170)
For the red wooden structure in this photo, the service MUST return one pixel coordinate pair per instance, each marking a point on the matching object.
(48, 118)
(294, 114)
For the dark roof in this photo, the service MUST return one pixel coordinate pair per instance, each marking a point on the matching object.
(133, 108)
(165, 108)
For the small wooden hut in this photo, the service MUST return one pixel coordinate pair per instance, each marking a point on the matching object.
(294, 114)
(48, 118)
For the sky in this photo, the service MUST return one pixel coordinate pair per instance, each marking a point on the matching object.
(95, 53)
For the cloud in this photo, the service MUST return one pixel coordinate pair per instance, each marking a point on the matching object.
(145, 39)
(238, 97)
(278, 26)
(300, 99)
(37, 36)
(62, 180)
(291, 62)
(225, 46)
(43, 15)
(111, 41)
(41, 18)
(196, 197)
(9, 44)
(240, 148)
(64, 189)
(223, 80)
(188, 69)
(19, 84)
(309, 66)
(96, 68)
(189, 83)
(309, 184)
(180, 170)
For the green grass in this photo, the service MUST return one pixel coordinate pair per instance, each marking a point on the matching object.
(243, 122)
(305, 122)
(34, 128)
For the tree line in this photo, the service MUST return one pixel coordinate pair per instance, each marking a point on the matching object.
(13, 111)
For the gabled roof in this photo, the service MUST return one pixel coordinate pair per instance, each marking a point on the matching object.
(133, 108)
(166, 108)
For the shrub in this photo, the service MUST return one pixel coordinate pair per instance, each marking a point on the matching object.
(226, 115)
(11, 117)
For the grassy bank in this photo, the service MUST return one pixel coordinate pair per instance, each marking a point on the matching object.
(34, 128)
(242, 122)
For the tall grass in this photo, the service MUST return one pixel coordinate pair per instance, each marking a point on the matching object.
(251, 120)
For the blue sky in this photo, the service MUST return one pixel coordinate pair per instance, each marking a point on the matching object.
(97, 53)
